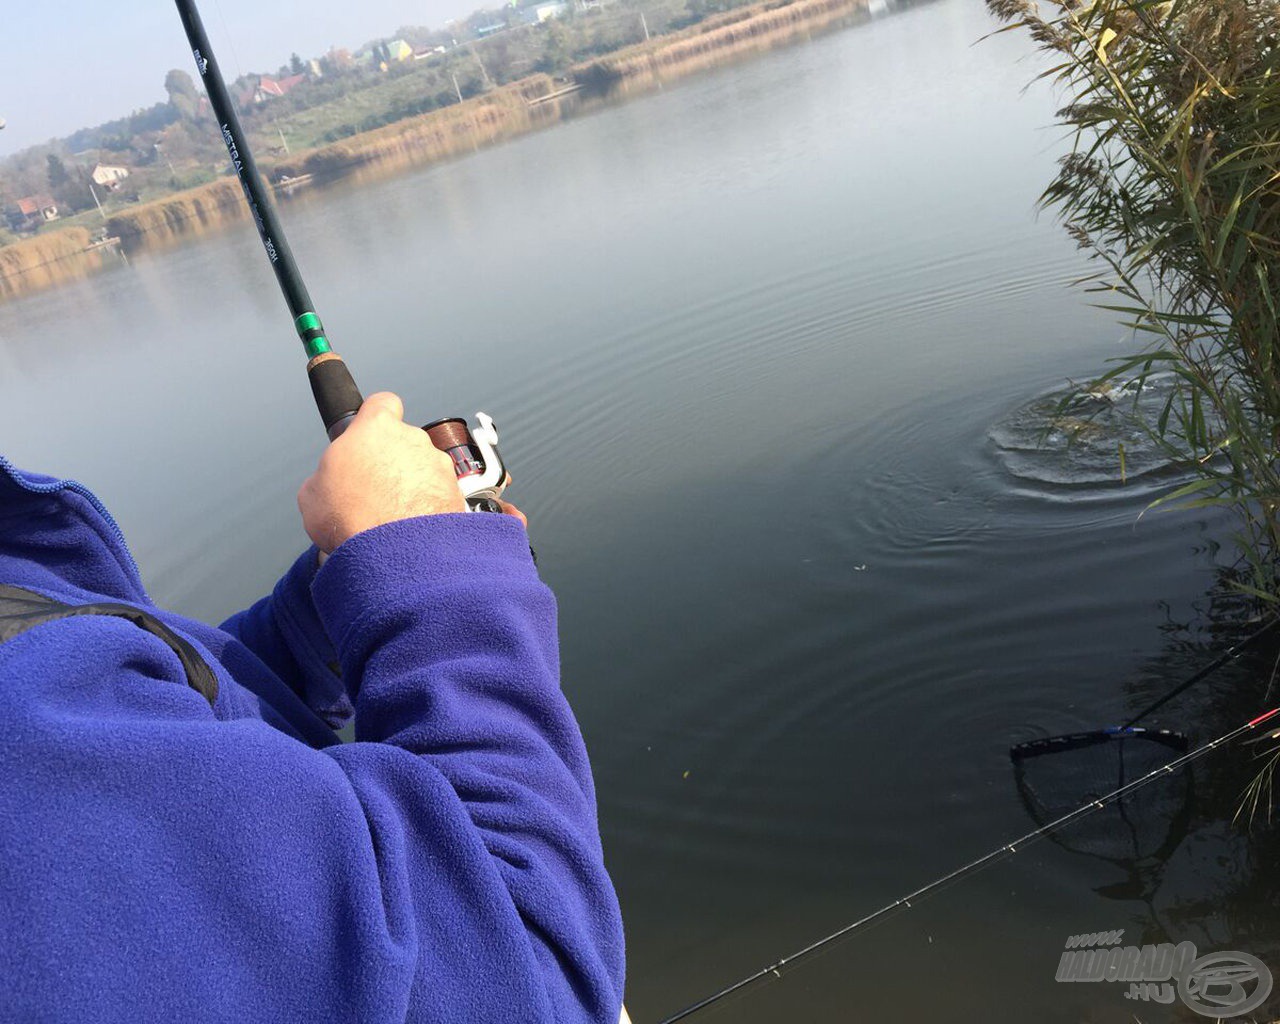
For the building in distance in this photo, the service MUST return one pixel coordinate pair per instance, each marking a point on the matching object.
(269, 88)
(29, 213)
(538, 13)
(109, 177)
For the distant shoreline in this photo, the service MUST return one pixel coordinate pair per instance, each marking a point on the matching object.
(58, 257)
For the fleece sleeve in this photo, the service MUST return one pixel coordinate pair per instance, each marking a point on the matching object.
(285, 632)
(472, 773)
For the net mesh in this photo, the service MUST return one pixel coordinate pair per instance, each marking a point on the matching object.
(1058, 775)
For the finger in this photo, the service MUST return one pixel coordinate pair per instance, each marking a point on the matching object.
(383, 403)
(511, 510)
(304, 494)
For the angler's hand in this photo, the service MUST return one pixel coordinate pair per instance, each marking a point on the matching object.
(379, 470)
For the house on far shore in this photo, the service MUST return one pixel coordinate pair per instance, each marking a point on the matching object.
(29, 213)
(539, 13)
(269, 87)
(109, 177)
(400, 50)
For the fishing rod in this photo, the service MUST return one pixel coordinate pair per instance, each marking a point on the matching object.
(1115, 737)
(477, 463)
(972, 867)
(1217, 663)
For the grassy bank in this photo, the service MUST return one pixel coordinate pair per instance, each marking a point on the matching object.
(502, 113)
(191, 212)
(726, 38)
(439, 135)
(425, 139)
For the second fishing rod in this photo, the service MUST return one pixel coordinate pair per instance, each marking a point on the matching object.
(482, 476)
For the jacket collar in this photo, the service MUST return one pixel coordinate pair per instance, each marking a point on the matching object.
(56, 536)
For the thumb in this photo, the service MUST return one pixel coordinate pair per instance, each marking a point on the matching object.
(383, 403)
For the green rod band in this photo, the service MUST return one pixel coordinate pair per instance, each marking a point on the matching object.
(311, 331)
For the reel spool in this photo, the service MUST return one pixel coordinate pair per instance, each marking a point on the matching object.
(482, 475)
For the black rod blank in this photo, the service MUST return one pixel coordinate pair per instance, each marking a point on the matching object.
(335, 391)
(260, 205)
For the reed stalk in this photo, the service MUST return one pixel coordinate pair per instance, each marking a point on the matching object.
(1173, 184)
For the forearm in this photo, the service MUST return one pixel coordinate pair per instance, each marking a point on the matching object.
(448, 643)
(285, 632)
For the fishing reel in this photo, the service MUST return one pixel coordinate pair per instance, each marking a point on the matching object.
(482, 475)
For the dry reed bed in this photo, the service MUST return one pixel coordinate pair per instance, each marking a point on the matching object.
(166, 220)
(45, 261)
(435, 136)
(726, 38)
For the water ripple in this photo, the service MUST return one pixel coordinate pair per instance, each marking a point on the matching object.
(1095, 446)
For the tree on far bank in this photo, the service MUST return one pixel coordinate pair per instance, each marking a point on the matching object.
(556, 55)
(58, 174)
(183, 94)
(71, 190)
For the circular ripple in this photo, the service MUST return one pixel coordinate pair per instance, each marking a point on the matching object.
(1087, 444)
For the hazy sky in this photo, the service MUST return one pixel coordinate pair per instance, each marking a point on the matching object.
(64, 67)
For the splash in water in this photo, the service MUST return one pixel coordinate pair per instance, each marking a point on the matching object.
(1097, 440)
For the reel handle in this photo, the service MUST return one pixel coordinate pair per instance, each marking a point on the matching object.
(482, 474)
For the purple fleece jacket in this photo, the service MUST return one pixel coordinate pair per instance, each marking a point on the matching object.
(164, 860)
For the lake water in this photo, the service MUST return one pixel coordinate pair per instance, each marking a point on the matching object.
(769, 352)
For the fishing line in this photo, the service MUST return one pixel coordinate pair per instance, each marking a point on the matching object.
(231, 39)
(235, 59)
(1010, 848)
